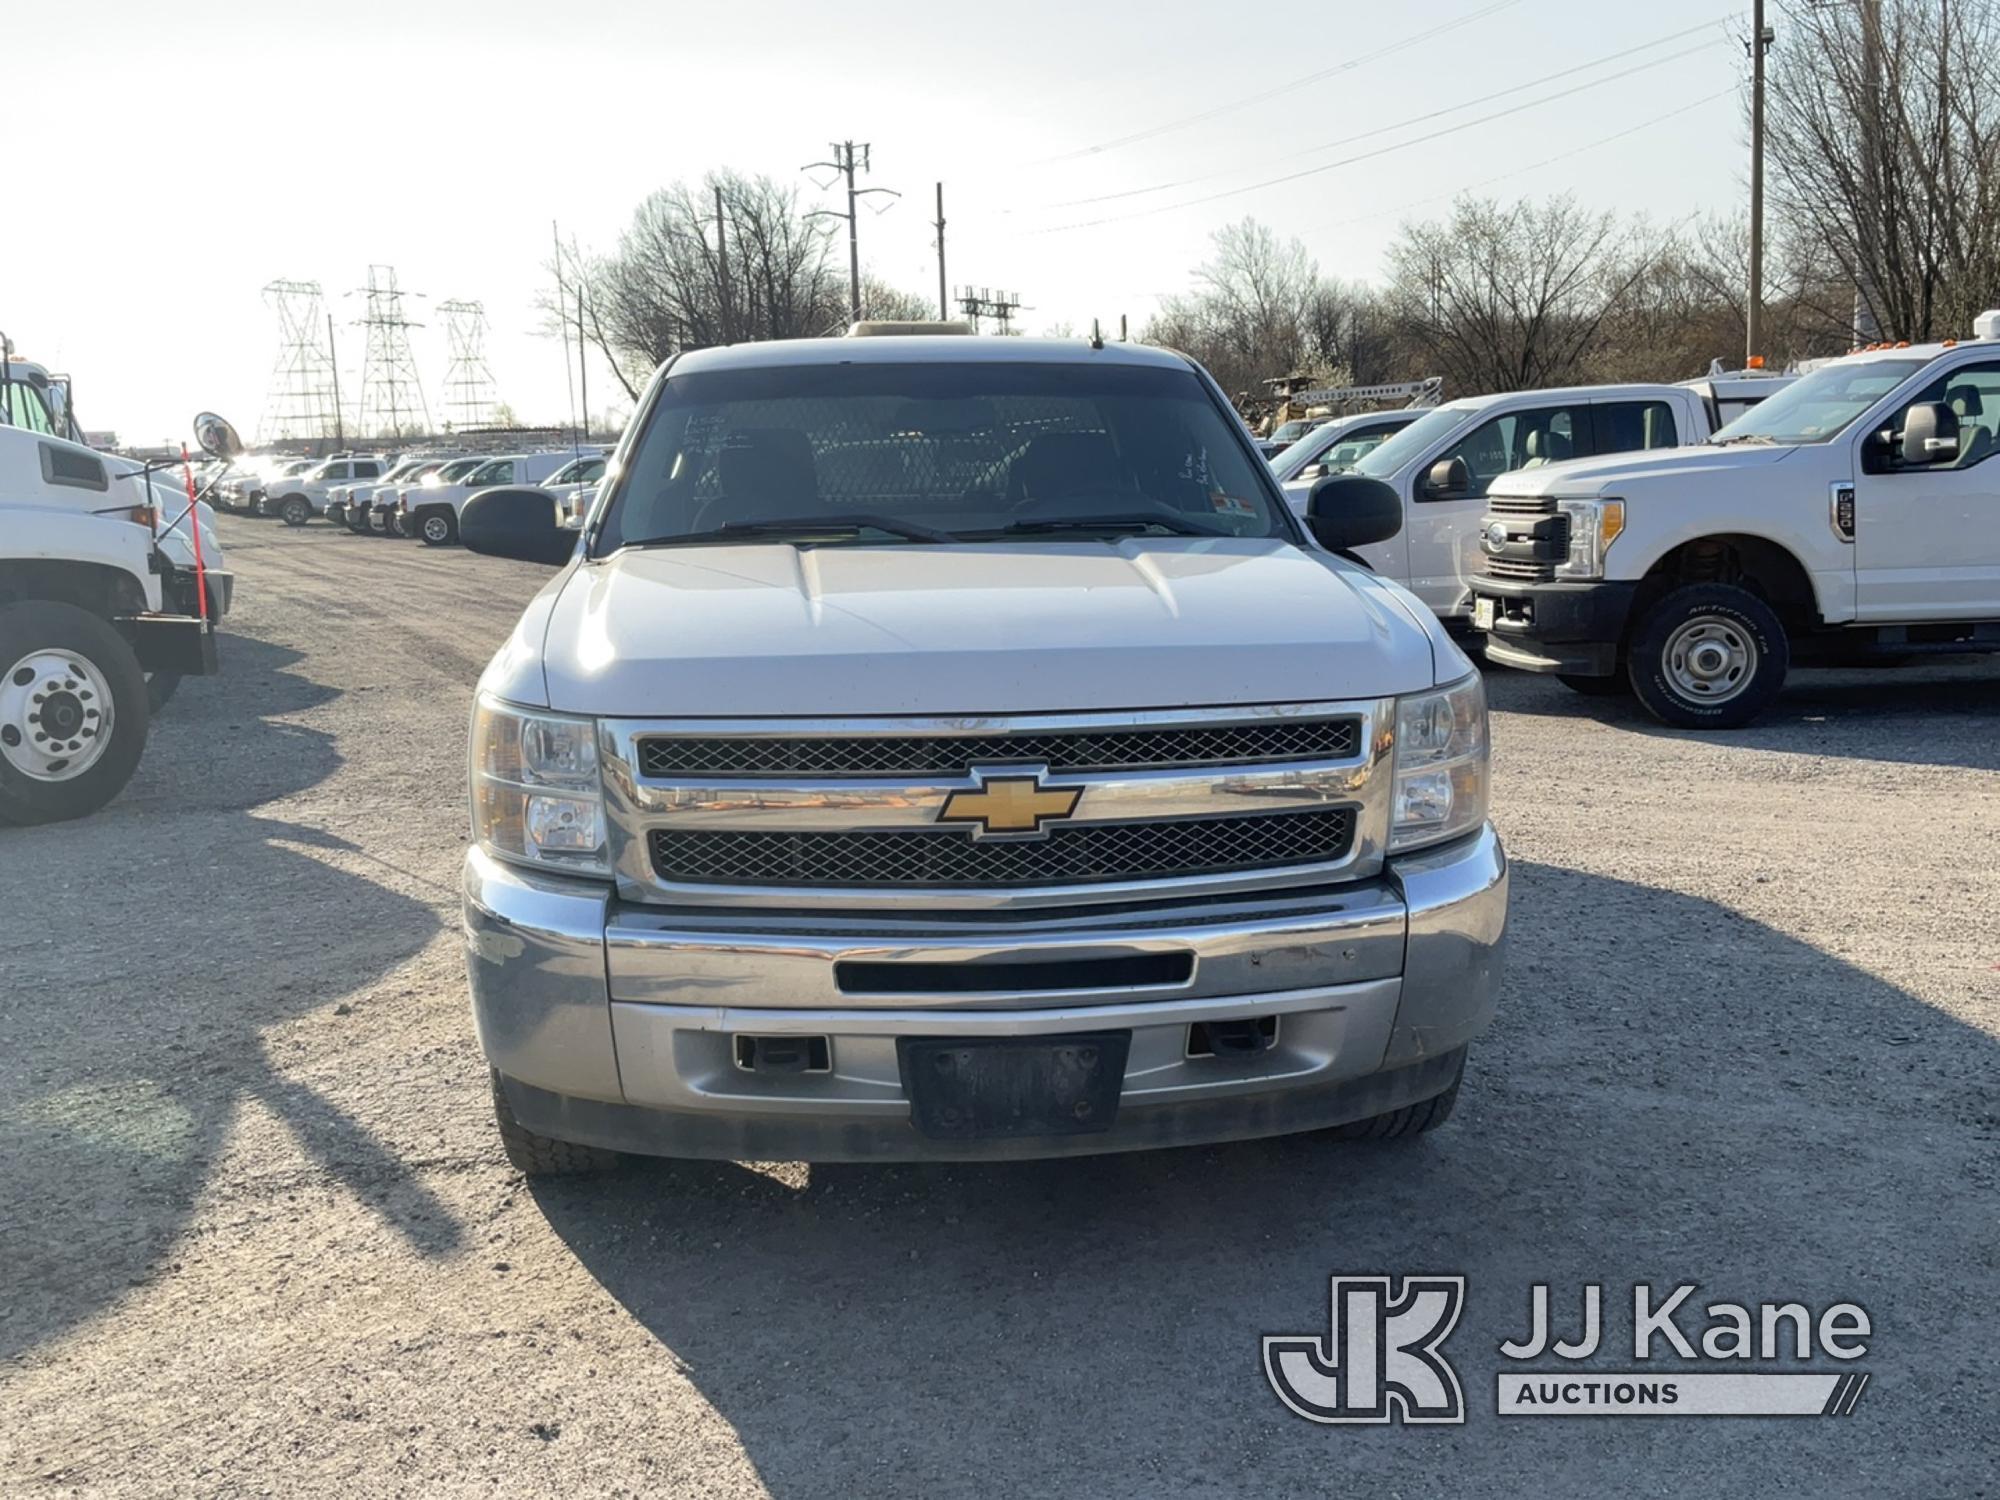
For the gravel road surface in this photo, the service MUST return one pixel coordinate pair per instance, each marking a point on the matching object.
(256, 1235)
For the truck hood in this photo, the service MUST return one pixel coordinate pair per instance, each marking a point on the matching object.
(1598, 476)
(780, 631)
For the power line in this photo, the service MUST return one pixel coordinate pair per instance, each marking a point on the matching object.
(1284, 88)
(1348, 161)
(1548, 161)
(1450, 109)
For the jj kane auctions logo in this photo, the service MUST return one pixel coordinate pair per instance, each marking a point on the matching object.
(1382, 1358)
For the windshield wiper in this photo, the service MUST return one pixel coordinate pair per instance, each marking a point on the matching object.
(809, 526)
(1174, 525)
(1741, 437)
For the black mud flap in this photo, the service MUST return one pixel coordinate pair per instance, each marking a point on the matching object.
(992, 1088)
(171, 643)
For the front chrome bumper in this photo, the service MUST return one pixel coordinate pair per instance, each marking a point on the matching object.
(616, 1023)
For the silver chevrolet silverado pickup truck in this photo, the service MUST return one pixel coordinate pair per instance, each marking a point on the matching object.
(939, 747)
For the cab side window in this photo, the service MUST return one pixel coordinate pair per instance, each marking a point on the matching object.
(1521, 440)
(1973, 394)
(367, 471)
(1627, 426)
(21, 406)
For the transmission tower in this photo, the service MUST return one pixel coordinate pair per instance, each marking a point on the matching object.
(301, 402)
(391, 402)
(468, 383)
(987, 303)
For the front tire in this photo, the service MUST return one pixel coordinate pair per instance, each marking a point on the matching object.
(1412, 1119)
(439, 528)
(1709, 656)
(295, 511)
(535, 1155)
(1595, 687)
(73, 712)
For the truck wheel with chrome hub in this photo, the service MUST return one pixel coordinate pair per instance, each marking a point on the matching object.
(73, 712)
(295, 511)
(1709, 656)
(438, 529)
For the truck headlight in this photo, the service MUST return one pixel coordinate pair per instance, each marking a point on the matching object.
(537, 797)
(1441, 756)
(1593, 526)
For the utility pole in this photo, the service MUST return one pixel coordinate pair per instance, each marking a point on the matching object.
(582, 362)
(722, 270)
(333, 369)
(1760, 41)
(847, 157)
(944, 303)
(1867, 325)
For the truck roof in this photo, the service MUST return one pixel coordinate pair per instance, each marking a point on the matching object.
(1564, 393)
(912, 349)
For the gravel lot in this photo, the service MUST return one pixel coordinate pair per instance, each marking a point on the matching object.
(256, 1236)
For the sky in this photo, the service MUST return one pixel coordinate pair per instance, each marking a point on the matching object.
(196, 150)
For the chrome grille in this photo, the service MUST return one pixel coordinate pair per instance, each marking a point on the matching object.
(1255, 742)
(1507, 567)
(1509, 505)
(1072, 853)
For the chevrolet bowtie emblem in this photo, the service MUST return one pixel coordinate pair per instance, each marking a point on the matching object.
(1010, 804)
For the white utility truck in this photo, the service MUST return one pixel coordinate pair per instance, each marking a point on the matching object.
(92, 601)
(389, 507)
(432, 513)
(1854, 516)
(953, 747)
(1338, 444)
(1441, 467)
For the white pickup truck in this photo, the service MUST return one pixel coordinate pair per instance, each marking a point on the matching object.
(297, 498)
(1441, 466)
(955, 747)
(1854, 516)
(432, 512)
(92, 604)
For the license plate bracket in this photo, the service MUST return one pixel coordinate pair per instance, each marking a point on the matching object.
(1482, 614)
(996, 1088)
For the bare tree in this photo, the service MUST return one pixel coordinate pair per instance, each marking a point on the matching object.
(1883, 133)
(1245, 315)
(1509, 298)
(670, 285)
(882, 301)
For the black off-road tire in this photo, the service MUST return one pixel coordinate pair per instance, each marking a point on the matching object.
(1737, 614)
(1614, 686)
(544, 1156)
(295, 510)
(439, 528)
(1412, 1119)
(40, 624)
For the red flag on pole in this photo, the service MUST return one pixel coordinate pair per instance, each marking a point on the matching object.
(194, 525)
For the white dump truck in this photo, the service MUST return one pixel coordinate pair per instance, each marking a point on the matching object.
(94, 602)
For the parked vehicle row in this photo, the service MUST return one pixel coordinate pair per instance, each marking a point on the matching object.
(410, 495)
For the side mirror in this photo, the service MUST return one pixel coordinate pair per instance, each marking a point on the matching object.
(520, 524)
(1448, 479)
(1346, 511)
(1930, 433)
(216, 437)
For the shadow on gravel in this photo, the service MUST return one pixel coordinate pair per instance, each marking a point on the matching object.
(1673, 1093)
(1943, 715)
(146, 950)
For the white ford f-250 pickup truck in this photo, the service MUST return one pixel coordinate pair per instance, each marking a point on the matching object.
(1442, 465)
(955, 747)
(1853, 516)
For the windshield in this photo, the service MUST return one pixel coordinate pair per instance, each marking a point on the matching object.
(1295, 429)
(22, 405)
(1433, 426)
(1815, 409)
(578, 471)
(970, 451)
(457, 469)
